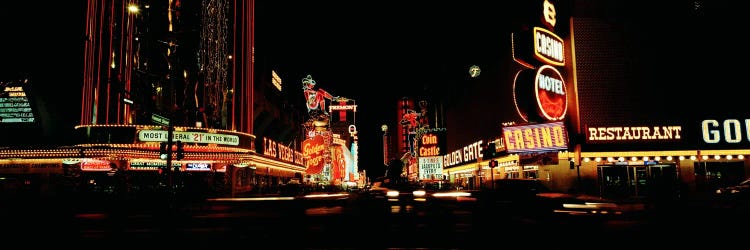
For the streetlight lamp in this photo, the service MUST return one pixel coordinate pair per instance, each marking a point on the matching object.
(133, 8)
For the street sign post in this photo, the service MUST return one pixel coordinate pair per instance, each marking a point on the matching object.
(164, 121)
(170, 170)
(160, 120)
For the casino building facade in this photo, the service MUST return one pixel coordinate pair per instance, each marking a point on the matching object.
(618, 135)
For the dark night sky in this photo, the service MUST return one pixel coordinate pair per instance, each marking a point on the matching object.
(379, 51)
(44, 43)
(390, 47)
(372, 51)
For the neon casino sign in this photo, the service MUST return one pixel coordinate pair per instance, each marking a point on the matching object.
(541, 137)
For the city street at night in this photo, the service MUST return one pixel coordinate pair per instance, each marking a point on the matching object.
(346, 224)
(274, 124)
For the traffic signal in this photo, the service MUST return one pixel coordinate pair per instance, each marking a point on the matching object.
(490, 150)
(493, 163)
(163, 151)
(180, 150)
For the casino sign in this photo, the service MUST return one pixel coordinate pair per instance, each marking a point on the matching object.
(539, 90)
(547, 88)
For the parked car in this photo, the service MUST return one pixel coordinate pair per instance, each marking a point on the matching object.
(530, 198)
(741, 189)
(734, 196)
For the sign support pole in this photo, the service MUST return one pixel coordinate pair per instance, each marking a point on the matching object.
(170, 141)
(492, 176)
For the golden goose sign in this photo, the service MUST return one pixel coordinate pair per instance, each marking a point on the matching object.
(313, 150)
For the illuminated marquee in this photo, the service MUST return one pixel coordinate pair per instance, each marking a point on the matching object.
(535, 138)
(313, 150)
(538, 47)
(548, 47)
(642, 133)
(198, 166)
(469, 153)
(15, 106)
(189, 137)
(151, 165)
(551, 96)
(342, 107)
(728, 131)
(95, 165)
(540, 51)
(430, 167)
(276, 80)
(431, 143)
(338, 140)
(280, 151)
(540, 95)
(549, 14)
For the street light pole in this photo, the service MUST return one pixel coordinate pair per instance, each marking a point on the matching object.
(492, 175)
(479, 172)
(384, 128)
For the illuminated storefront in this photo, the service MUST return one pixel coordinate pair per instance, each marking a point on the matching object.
(464, 167)
(331, 145)
(215, 161)
(674, 159)
(616, 138)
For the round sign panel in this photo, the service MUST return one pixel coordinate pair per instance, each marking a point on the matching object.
(474, 71)
(551, 96)
(522, 94)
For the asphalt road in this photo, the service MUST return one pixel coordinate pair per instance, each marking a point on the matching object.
(350, 224)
